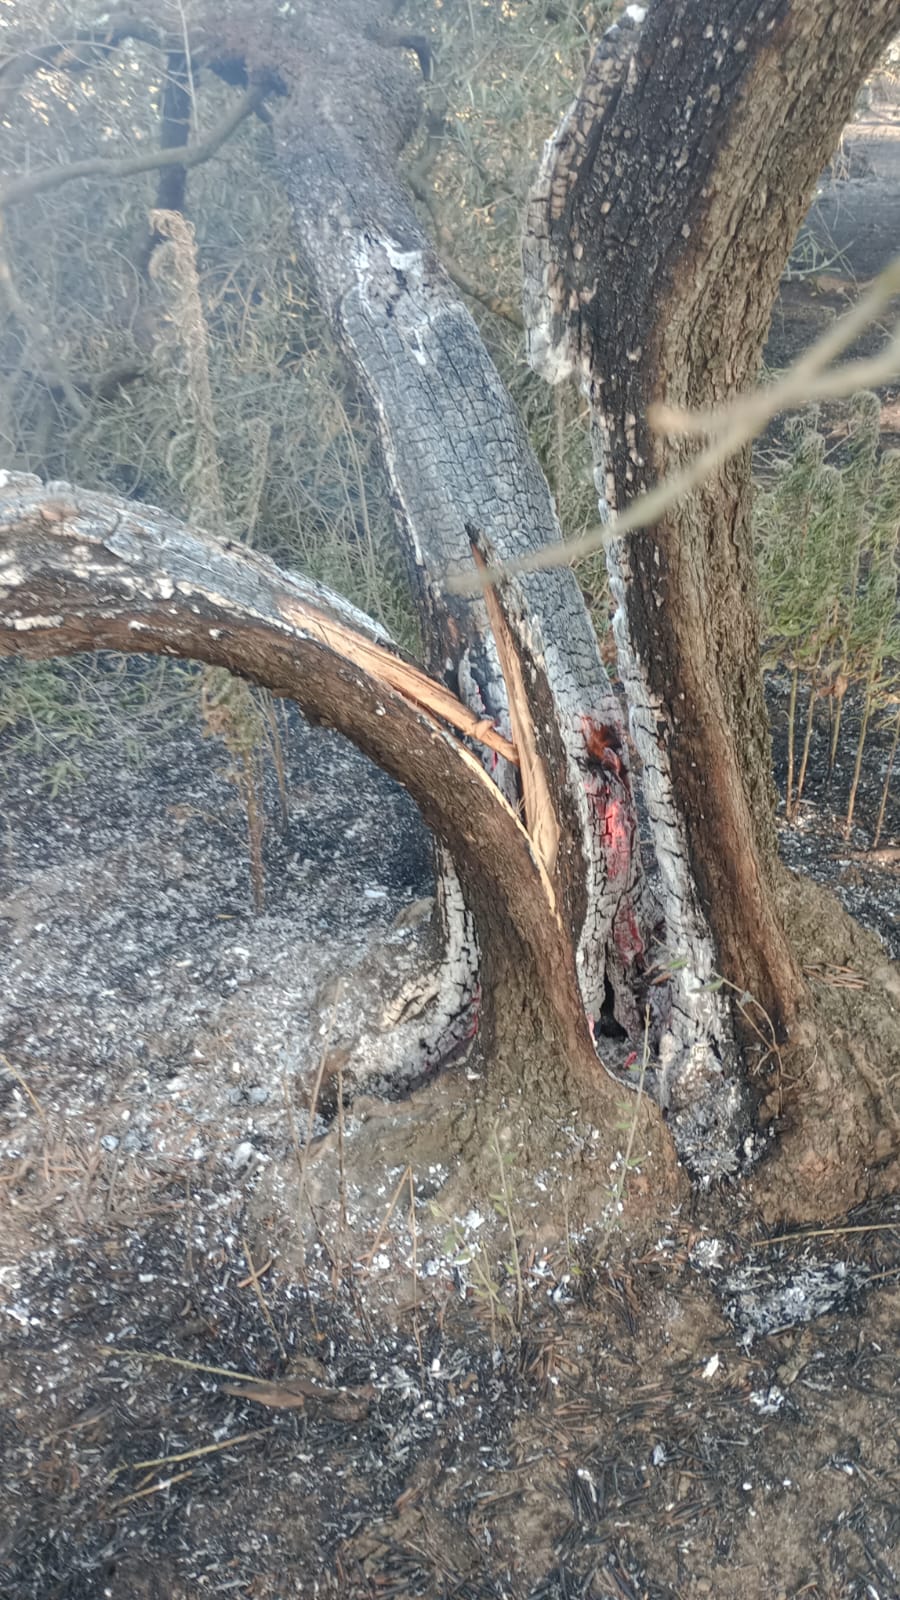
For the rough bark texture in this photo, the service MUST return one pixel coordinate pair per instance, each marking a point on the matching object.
(666, 208)
(462, 472)
(345, 95)
(82, 571)
(668, 202)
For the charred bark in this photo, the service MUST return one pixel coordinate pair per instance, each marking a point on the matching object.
(82, 571)
(174, 133)
(667, 205)
(654, 250)
(462, 472)
(464, 478)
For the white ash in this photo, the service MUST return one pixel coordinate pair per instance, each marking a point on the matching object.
(767, 1298)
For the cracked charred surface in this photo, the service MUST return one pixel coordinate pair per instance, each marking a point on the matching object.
(460, 468)
(656, 236)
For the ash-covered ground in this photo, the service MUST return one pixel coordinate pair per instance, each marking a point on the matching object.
(193, 1405)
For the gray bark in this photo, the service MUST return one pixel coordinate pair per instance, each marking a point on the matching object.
(461, 471)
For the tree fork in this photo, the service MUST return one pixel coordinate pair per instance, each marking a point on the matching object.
(459, 464)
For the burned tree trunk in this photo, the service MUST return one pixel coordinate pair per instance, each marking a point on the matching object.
(464, 477)
(84, 571)
(667, 205)
(654, 249)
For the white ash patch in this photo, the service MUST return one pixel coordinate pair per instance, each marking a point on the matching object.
(766, 1298)
(769, 1401)
(149, 1012)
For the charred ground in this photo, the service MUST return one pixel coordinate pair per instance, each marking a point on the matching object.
(659, 1424)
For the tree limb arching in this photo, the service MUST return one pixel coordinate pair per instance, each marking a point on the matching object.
(85, 571)
(417, 353)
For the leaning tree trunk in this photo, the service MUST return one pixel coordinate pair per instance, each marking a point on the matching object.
(667, 205)
(464, 478)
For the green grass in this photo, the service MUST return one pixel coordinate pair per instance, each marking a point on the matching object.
(54, 712)
(828, 549)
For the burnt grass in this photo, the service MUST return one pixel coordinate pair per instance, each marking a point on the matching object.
(866, 880)
(188, 1412)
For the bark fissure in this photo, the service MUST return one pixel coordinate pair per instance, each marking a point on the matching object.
(458, 458)
(667, 204)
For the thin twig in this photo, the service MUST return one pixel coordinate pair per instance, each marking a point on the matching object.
(881, 1277)
(257, 1272)
(188, 155)
(729, 430)
(342, 1175)
(387, 1216)
(888, 774)
(824, 1233)
(254, 1278)
(186, 1455)
(415, 1273)
(457, 274)
(23, 1085)
(179, 1361)
(155, 1488)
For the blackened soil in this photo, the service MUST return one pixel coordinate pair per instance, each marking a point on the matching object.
(865, 877)
(185, 1414)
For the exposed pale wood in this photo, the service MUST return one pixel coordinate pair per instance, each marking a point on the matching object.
(540, 812)
(402, 675)
(81, 571)
(697, 137)
(457, 459)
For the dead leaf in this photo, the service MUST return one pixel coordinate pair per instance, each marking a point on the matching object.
(348, 1405)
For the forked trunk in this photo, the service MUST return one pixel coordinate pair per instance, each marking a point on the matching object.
(668, 203)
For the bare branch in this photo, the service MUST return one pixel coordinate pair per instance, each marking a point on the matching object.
(315, 611)
(80, 52)
(103, 167)
(457, 274)
(38, 335)
(729, 429)
(808, 379)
